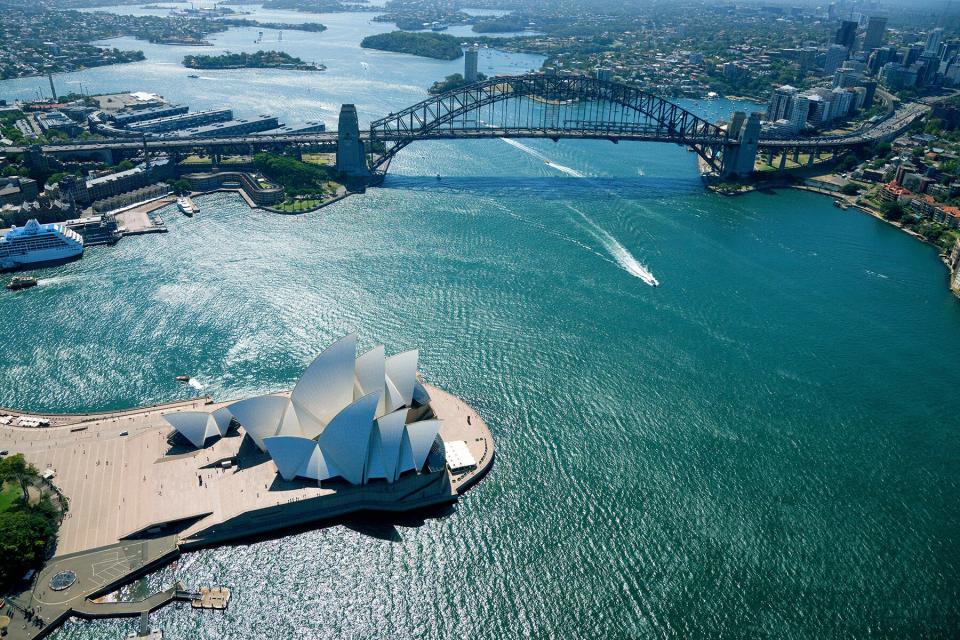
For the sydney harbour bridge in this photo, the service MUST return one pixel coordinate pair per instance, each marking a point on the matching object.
(525, 106)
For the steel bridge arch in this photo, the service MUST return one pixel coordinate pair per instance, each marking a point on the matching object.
(436, 117)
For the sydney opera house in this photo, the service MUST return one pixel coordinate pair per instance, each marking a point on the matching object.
(351, 418)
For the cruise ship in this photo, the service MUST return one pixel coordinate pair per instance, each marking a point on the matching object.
(36, 244)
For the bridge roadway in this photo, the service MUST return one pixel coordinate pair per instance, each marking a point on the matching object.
(901, 119)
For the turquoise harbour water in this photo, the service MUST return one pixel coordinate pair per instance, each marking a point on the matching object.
(763, 446)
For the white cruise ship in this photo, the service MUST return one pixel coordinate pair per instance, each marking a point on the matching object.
(35, 244)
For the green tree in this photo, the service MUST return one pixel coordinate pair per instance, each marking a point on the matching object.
(892, 210)
(124, 165)
(181, 187)
(850, 189)
(24, 536)
(15, 468)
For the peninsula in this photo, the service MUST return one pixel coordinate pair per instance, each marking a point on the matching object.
(356, 433)
(258, 60)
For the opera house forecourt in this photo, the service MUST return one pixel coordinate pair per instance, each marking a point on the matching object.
(356, 433)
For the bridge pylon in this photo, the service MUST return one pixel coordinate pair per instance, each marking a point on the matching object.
(740, 158)
(351, 158)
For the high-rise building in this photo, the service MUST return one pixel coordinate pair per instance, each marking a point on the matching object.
(799, 112)
(847, 34)
(470, 65)
(846, 78)
(871, 91)
(876, 27)
(911, 54)
(842, 102)
(933, 41)
(880, 57)
(836, 54)
(780, 102)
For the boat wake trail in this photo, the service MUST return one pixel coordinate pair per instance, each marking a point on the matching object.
(195, 384)
(620, 253)
(547, 161)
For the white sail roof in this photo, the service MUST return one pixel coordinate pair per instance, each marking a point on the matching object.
(346, 440)
(327, 428)
(422, 434)
(289, 453)
(390, 431)
(195, 426)
(401, 370)
(326, 386)
(260, 416)
(223, 418)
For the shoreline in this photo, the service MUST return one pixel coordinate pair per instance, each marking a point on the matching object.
(852, 202)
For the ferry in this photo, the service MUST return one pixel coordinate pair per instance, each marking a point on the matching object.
(186, 206)
(37, 244)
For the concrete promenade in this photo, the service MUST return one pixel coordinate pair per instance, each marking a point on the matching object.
(138, 497)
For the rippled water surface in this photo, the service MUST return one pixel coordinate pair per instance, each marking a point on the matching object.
(764, 445)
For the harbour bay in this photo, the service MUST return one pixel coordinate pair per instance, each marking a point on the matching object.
(765, 444)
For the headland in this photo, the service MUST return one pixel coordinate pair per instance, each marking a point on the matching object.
(138, 497)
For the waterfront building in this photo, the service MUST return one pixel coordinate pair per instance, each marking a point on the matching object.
(799, 112)
(876, 28)
(780, 103)
(309, 127)
(355, 418)
(35, 244)
(55, 120)
(126, 117)
(470, 57)
(231, 127)
(262, 194)
(123, 181)
(893, 192)
(182, 121)
(836, 54)
(604, 74)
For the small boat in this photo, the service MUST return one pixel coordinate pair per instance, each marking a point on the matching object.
(183, 378)
(438, 176)
(840, 204)
(21, 282)
(193, 75)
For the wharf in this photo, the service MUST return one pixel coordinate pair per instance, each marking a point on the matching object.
(142, 218)
(138, 499)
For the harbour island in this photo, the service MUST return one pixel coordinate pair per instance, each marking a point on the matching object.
(355, 434)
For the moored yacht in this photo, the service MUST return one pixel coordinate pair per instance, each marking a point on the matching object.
(186, 206)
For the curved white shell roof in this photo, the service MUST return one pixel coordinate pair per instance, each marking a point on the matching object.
(326, 386)
(260, 416)
(195, 426)
(345, 418)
